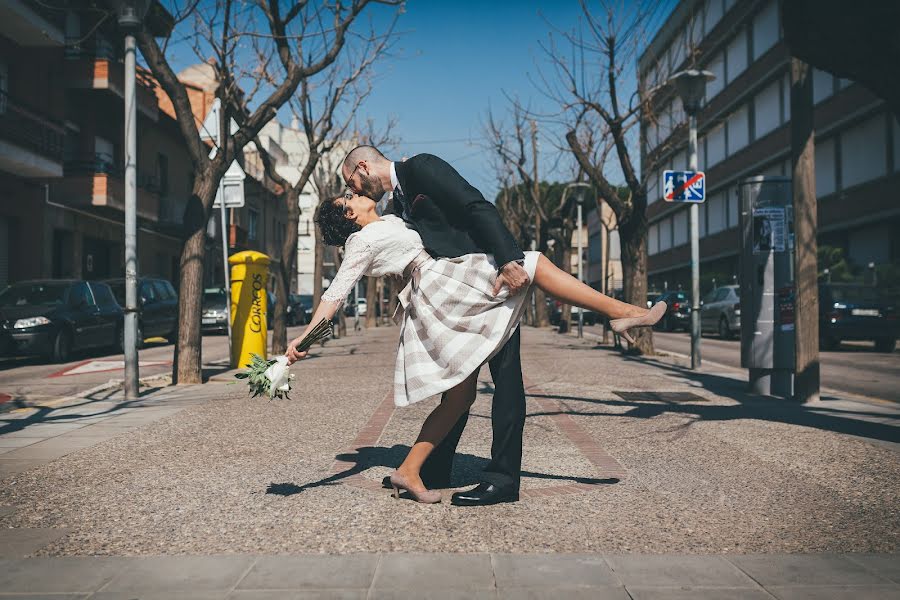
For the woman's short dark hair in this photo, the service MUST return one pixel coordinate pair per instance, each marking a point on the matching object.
(336, 228)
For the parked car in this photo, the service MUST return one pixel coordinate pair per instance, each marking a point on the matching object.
(296, 310)
(554, 312)
(720, 311)
(856, 312)
(214, 311)
(678, 311)
(54, 318)
(158, 303)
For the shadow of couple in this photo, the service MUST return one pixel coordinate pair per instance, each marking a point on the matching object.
(467, 469)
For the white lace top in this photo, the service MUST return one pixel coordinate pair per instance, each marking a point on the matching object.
(382, 247)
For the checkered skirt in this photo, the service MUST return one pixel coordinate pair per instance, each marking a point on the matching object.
(451, 323)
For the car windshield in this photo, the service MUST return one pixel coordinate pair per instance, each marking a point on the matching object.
(34, 294)
(855, 293)
(306, 299)
(213, 296)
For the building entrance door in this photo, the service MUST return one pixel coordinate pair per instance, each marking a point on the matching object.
(95, 259)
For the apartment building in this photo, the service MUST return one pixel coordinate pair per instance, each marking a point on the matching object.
(62, 154)
(744, 130)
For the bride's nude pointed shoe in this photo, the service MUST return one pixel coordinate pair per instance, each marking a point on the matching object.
(425, 496)
(621, 326)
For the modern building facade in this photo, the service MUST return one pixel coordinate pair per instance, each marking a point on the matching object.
(744, 130)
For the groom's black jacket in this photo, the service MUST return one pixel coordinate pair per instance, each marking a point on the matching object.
(452, 217)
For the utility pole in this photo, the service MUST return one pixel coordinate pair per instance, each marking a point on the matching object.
(806, 299)
(537, 189)
(691, 87)
(695, 249)
(129, 20)
(540, 306)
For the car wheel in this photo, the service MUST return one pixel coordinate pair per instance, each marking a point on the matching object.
(62, 346)
(724, 330)
(885, 345)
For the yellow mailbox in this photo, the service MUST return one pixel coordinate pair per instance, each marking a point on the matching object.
(249, 275)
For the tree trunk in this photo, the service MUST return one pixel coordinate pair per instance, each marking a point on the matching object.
(187, 366)
(318, 268)
(633, 240)
(286, 270)
(371, 302)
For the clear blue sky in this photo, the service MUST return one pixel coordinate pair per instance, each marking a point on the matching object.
(455, 59)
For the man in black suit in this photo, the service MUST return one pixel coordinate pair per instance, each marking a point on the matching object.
(453, 221)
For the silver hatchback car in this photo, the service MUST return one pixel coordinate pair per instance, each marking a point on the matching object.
(721, 311)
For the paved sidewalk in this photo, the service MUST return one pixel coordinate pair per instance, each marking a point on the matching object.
(639, 478)
(416, 576)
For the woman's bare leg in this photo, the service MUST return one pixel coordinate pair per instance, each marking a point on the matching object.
(441, 420)
(565, 288)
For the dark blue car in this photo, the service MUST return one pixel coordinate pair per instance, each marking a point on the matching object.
(856, 312)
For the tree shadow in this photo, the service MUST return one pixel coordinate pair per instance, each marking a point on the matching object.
(647, 405)
(62, 414)
(467, 470)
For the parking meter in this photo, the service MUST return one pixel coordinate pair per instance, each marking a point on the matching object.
(249, 310)
(767, 284)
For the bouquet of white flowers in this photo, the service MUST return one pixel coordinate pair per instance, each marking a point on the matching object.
(273, 377)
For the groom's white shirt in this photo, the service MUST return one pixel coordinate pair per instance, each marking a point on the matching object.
(395, 183)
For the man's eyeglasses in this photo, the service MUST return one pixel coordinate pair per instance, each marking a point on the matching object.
(352, 173)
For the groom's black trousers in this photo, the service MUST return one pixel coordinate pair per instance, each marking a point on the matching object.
(507, 421)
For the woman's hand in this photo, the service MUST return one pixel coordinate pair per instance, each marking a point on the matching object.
(292, 353)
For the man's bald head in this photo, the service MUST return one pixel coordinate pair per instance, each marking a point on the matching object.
(370, 154)
(365, 170)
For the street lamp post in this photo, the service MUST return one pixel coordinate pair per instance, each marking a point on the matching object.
(691, 87)
(579, 198)
(130, 14)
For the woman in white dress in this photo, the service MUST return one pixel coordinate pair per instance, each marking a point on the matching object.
(452, 318)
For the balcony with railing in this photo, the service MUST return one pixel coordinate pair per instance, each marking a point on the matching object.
(96, 181)
(95, 64)
(31, 144)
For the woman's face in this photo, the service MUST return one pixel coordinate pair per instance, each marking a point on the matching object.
(355, 205)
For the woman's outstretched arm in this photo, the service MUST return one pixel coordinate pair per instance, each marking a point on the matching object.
(565, 288)
(325, 310)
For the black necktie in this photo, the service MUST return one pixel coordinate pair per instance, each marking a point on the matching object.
(400, 202)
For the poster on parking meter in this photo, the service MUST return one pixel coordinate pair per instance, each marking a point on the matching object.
(769, 231)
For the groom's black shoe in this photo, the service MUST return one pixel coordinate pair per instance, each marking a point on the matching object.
(431, 485)
(485, 494)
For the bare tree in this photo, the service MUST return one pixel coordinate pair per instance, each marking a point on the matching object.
(306, 39)
(603, 115)
(533, 210)
(343, 87)
(516, 161)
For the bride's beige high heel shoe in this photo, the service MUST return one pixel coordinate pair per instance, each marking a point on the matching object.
(621, 326)
(425, 496)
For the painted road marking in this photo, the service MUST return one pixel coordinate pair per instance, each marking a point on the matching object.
(100, 366)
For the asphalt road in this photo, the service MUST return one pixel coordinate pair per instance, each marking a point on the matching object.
(855, 368)
(37, 380)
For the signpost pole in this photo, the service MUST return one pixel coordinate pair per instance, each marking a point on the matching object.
(695, 249)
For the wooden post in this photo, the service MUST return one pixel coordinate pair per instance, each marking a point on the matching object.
(806, 301)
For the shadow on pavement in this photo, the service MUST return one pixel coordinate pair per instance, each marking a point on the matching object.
(467, 469)
(763, 408)
(64, 413)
